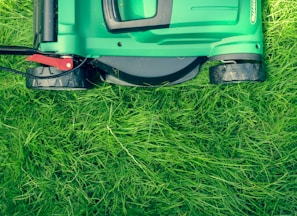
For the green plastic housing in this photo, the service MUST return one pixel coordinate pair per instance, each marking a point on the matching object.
(209, 28)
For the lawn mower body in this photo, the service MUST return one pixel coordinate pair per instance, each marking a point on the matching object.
(152, 42)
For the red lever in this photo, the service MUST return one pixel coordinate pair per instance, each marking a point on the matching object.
(62, 64)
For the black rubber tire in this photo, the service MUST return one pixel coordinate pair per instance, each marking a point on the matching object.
(237, 72)
(74, 80)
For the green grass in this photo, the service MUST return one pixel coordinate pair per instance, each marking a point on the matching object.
(192, 149)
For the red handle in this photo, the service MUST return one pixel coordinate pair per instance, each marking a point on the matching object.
(62, 64)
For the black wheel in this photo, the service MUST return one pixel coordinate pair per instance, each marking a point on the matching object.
(50, 78)
(234, 72)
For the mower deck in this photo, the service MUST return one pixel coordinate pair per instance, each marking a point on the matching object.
(149, 42)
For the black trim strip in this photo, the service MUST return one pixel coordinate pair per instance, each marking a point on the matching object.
(45, 21)
(17, 50)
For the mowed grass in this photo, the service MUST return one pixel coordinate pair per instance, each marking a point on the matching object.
(192, 149)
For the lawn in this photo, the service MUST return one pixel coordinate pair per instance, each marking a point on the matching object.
(191, 149)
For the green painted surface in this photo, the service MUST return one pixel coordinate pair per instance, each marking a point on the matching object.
(197, 28)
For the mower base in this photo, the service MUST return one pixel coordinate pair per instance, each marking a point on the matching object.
(144, 72)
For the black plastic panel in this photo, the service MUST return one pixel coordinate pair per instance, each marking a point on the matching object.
(148, 70)
(46, 16)
(114, 23)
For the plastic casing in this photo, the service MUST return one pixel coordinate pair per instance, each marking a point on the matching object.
(197, 28)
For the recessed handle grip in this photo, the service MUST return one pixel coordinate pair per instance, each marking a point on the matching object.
(114, 22)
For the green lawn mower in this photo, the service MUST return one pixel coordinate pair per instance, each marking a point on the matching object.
(142, 42)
